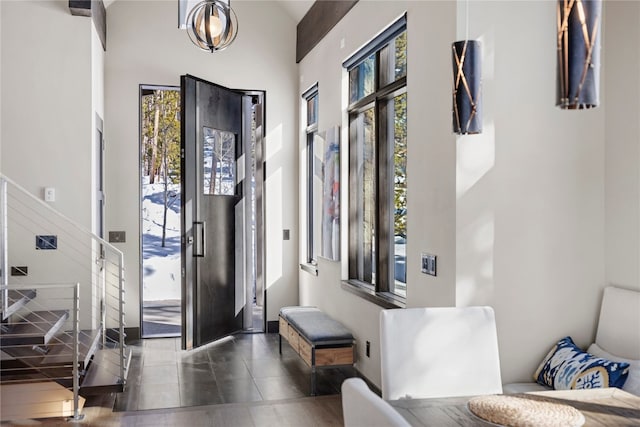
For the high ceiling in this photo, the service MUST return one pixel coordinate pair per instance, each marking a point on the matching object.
(295, 8)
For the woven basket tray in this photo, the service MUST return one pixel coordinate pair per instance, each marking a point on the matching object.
(520, 411)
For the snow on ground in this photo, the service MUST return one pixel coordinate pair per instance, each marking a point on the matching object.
(161, 265)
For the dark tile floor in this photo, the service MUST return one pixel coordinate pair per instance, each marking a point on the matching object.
(242, 368)
(161, 318)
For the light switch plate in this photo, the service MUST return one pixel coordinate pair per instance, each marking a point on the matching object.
(49, 194)
(429, 264)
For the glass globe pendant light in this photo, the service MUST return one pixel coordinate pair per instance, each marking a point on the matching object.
(212, 25)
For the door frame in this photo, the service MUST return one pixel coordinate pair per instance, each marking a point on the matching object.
(141, 88)
(260, 174)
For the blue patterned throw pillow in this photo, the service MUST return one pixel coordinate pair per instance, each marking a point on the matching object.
(568, 367)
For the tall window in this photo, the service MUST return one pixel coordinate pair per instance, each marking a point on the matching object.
(314, 176)
(377, 162)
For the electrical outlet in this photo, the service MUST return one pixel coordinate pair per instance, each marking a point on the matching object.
(286, 235)
(117, 237)
(19, 271)
(367, 350)
(46, 242)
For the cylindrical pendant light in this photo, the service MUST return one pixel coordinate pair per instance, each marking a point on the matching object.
(579, 24)
(212, 25)
(466, 59)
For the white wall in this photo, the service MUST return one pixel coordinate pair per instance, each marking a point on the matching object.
(530, 193)
(430, 165)
(145, 46)
(0, 86)
(46, 102)
(535, 215)
(622, 154)
(47, 133)
(97, 102)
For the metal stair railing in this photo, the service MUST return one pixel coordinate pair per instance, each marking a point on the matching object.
(28, 363)
(74, 255)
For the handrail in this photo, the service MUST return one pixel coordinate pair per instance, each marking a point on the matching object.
(60, 215)
(95, 265)
(25, 287)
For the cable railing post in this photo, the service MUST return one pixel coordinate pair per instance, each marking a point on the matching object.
(121, 312)
(103, 294)
(76, 350)
(4, 255)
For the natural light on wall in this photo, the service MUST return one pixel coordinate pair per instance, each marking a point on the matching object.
(273, 227)
(274, 206)
(273, 143)
(475, 162)
(475, 158)
(475, 280)
(475, 220)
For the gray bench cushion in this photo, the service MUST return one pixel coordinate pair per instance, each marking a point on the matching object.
(319, 328)
(285, 311)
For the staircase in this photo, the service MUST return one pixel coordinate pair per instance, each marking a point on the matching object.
(62, 324)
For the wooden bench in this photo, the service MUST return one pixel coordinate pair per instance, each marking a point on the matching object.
(320, 340)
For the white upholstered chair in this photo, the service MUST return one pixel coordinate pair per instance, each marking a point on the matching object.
(361, 407)
(619, 323)
(438, 352)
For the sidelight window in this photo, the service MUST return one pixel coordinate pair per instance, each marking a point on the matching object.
(314, 176)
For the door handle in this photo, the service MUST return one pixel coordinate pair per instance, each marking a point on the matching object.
(200, 249)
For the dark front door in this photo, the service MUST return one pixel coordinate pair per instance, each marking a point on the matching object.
(211, 132)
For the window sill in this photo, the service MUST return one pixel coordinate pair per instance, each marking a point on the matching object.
(309, 268)
(383, 299)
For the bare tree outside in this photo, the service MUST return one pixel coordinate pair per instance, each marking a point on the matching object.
(160, 215)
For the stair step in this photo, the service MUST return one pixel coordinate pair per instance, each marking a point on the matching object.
(60, 352)
(61, 348)
(16, 299)
(13, 371)
(36, 328)
(103, 374)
